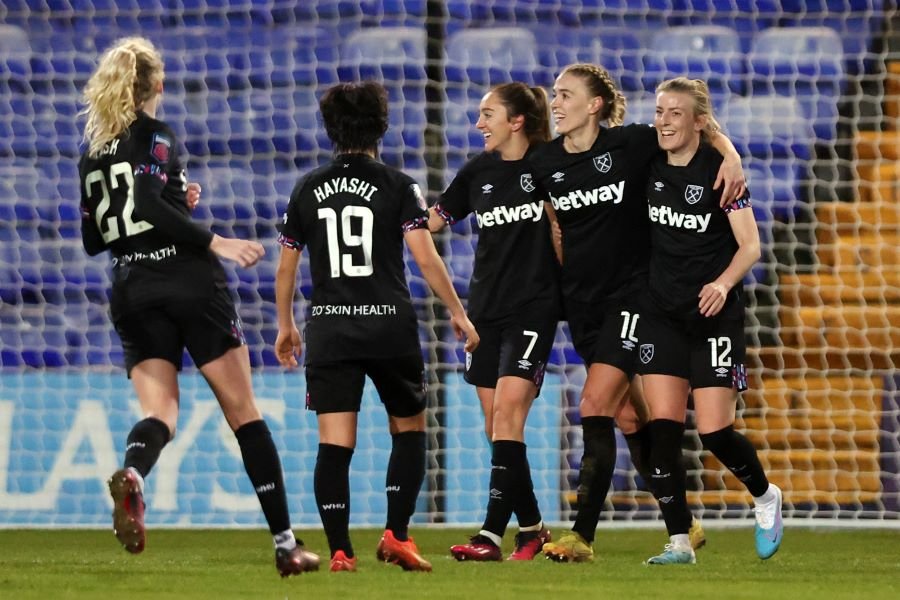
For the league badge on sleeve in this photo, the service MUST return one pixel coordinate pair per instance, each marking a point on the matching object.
(160, 148)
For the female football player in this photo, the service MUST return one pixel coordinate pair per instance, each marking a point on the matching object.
(515, 311)
(353, 216)
(595, 177)
(169, 290)
(700, 251)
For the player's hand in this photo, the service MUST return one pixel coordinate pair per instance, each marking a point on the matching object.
(288, 346)
(192, 197)
(712, 298)
(246, 253)
(463, 327)
(731, 175)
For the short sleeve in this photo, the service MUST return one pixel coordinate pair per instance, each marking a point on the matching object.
(413, 208)
(454, 204)
(291, 228)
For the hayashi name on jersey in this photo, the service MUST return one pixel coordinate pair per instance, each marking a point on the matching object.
(614, 192)
(355, 310)
(503, 215)
(351, 185)
(665, 215)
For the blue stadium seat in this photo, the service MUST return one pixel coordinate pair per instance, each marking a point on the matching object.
(806, 62)
(620, 51)
(641, 109)
(460, 115)
(777, 188)
(708, 52)
(492, 56)
(228, 192)
(768, 127)
(387, 54)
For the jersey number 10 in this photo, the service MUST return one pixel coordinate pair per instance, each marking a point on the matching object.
(343, 263)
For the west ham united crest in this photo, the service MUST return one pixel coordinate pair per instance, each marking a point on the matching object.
(646, 353)
(603, 163)
(526, 182)
(693, 193)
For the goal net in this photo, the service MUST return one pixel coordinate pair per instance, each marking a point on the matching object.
(809, 92)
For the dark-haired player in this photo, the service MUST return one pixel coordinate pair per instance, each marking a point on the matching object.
(352, 216)
(693, 336)
(169, 290)
(513, 300)
(595, 178)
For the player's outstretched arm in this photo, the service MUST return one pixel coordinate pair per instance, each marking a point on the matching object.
(288, 345)
(246, 253)
(425, 254)
(743, 225)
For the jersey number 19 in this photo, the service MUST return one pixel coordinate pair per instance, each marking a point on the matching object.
(343, 263)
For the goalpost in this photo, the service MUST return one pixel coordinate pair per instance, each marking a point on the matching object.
(808, 91)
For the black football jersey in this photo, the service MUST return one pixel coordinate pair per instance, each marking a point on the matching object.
(351, 215)
(691, 238)
(598, 196)
(149, 267)
(514, 262)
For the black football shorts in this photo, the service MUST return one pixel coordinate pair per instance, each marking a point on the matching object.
(207, 328)
(338, 387)
(708, 353)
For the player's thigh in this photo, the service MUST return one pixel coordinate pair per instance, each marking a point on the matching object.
(664, 365)
(400, 382)
(229, 378)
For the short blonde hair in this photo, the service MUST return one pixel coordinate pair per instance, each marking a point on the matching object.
(127, 76)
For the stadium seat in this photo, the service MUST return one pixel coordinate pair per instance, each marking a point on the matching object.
(641, 109)
(767, 126)
(805, 62)
(708, 52)
(392, 54)
(492, 56)
(620, 51)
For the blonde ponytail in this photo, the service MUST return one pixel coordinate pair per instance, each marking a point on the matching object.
(126, 77)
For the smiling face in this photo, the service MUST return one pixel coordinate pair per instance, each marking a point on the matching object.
(495, 125)
(573, 106)
(677, 127)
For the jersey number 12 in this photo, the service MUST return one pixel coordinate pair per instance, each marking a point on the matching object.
(343, 263)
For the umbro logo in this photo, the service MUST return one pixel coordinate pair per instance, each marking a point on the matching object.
(658, 186)
(487, 188)
(558, 176)
(524, 364)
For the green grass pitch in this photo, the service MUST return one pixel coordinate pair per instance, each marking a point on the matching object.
(816, 564)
